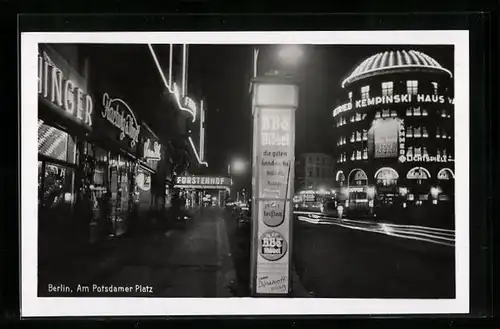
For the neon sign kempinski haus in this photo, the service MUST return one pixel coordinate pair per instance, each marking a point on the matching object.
(394, 99)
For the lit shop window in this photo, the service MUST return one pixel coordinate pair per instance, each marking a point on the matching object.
(365, 134)
(358, 116)
(387, 88)
(358, 136)
(412, 87)
(409, 131)
(365, 92)
(425, 134)
(365, 154)
(435, 87)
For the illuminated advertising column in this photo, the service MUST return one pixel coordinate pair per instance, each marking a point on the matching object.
(274, 103)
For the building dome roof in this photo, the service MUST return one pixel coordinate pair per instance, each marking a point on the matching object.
(393, 62)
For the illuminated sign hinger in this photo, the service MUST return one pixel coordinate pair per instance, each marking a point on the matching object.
(63, 93)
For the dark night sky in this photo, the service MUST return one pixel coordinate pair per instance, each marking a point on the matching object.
(223, 73)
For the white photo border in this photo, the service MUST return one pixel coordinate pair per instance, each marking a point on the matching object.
(34, 306)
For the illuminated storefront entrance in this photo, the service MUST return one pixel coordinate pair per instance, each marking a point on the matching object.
(203, 190)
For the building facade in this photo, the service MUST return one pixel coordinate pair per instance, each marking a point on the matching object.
(394, 134)
(314, 171)
(108, 141)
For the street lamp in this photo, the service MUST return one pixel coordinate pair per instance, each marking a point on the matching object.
(238, 166)
(287, 54)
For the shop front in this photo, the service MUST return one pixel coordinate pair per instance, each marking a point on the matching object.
(64, 120)
(110, 167)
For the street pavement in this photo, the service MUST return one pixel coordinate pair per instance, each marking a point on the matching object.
(191, 262)
(351, 259)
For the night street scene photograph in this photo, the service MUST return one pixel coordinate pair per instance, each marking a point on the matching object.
(246, 170)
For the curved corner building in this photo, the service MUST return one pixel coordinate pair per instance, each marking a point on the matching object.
(395, 134)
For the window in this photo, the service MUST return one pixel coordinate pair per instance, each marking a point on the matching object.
(409, 111)
(358, 155)
(324, 161)
(438, 133)
(352, 118)
(309, 172)
(365, 92)
(353, 156)
(444, 135)
(443, 113)
(352, 138)
(435, 87)
(409, 131)
(358, 136)
(409, 151)
(364, 116)
(417, 151)
(412, 87)
(358, 116)
(417, 132)
(386, 113)
(424, 112)
(350, 95)
(426, 153)
(378, 115)
(317, 172)
(424, 132)
(394, 113)
(365, 154)
(387, 88)
(365, 135)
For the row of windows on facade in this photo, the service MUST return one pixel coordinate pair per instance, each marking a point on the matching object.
(411, 111)
(410, 151)
(411, 132)
(388, 89)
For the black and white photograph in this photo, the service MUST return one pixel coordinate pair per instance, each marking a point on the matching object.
(245, 173)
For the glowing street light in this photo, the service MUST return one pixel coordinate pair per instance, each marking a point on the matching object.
(291, 54)
(238, 166)
(287, 54)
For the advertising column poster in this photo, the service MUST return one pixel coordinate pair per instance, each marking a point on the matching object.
(275, 185)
